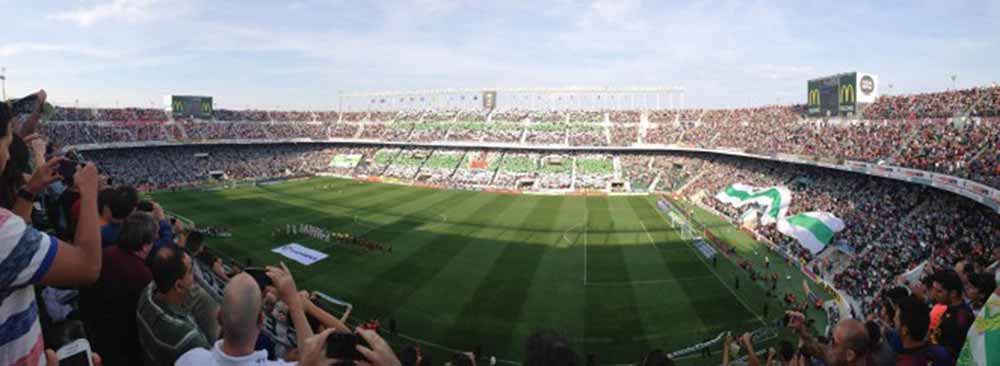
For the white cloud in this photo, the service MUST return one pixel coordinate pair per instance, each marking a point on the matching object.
(16, 49)
(128, 11)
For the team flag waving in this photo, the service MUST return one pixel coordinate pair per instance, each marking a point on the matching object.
(774, 199)
(813, 230)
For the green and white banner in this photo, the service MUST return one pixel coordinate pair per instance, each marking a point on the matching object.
(982, 343)
(345, 161)
(775, 200)
(813, 230)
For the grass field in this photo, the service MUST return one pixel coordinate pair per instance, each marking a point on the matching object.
(470, 268)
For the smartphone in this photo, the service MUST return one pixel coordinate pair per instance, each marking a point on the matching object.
(259, 274)
(343, 346)
(25, 105)
(75, 353)
(67, 168)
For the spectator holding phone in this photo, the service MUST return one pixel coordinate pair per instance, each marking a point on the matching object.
(848, 345)
(31, 257)
(165, 228)
(319, 318)
(747, 341)
(242, 319)
(194, 243)
(123, 203)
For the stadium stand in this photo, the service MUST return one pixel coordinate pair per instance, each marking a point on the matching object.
(891, 226)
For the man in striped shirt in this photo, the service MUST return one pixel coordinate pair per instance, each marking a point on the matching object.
(28, 256)
(166, 328)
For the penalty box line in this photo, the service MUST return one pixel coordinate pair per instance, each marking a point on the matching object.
(717, 276)
(652, 242)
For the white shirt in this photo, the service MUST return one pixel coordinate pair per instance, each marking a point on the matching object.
(215, 356)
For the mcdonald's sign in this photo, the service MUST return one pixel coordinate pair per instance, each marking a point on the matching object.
(847, 94)
(814, 97)
(187, 106)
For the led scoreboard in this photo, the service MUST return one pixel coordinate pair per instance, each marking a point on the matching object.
(841, 95)
(186, 106)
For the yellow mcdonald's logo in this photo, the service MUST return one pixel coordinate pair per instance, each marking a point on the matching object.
(847, 94)
(178, 105)
(814, 97)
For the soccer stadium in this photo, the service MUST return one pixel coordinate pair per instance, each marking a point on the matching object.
(852, 225)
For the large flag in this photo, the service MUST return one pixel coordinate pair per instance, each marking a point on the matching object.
(774, 199)
(982, 344)
(813, 230)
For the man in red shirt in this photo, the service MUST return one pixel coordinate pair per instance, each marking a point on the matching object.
(110, 304)
(911, 322)
(947, 289)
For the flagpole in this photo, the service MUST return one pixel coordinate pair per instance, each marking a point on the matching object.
(3, 80)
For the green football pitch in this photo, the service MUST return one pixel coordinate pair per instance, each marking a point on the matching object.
(472, 269)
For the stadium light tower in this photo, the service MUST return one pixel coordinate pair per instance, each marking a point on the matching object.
(953, 77)
(3, 80)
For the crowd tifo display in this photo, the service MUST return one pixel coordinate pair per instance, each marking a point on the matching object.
(891, 227)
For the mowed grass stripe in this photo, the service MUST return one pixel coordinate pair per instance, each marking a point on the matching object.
(499, 268)
(663, 306)
(406, 246)
(555, 296)
(421, 266)
(711, 301)
(497, 305)
(402, 235)
(427, 317)
(658, 305)
(612, 312)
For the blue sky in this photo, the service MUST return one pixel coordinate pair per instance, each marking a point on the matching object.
(300, 54)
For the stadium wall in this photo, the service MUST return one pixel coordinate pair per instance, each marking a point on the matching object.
(978, 192)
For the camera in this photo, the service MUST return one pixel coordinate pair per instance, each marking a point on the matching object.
(259, 275)
(26, 105)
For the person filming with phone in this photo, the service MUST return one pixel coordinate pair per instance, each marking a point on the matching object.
(242, 319)
(848, 345)
(32, 257)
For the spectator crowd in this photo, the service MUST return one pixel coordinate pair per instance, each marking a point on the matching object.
(144, 288)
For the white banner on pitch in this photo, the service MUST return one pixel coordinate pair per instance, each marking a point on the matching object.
(299, 253)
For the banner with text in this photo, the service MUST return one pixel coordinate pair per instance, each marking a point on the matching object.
(299, 253)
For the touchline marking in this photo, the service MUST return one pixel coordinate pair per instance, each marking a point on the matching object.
(709, 266)
(647, 282)
(651, 241)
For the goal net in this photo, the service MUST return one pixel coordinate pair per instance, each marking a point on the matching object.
(680, 223)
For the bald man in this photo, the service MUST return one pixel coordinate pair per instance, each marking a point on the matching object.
(242, 318)
(849, 345)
